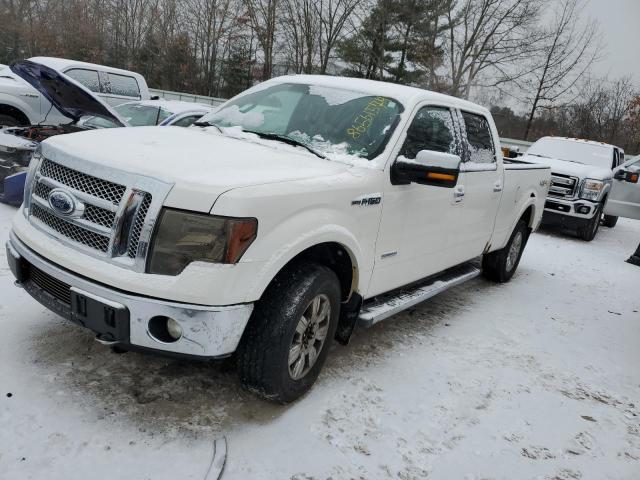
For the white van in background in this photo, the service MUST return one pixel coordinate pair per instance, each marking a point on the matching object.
(21, 104)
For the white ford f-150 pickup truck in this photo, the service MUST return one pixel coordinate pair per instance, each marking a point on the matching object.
(298, 209)
(581, 176)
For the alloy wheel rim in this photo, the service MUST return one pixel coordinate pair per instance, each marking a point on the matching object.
(309, 336)
(514, 251)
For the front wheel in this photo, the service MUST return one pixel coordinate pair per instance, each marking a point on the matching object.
(500, 265)
(287, 339)
(588, 231)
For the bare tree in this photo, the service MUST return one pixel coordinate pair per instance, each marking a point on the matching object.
(300, 23)
(263, 20)
(333, 16)
(568, 50)
(487, 35)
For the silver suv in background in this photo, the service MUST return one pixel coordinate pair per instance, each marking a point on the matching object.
(21, 104)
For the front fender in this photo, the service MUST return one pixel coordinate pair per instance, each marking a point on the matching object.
(12, 100)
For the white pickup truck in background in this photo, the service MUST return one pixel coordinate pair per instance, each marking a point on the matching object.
(301, 207)
(581, 175)
(22, 104)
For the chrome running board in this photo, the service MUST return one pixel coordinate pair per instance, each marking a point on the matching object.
(385, 305)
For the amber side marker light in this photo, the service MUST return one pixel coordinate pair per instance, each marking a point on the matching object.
(633, 178)
(441, 176)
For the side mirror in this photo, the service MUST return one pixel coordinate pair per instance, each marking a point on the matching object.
(428, 168)
(626, 176)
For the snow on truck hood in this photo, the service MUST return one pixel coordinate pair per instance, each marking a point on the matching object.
(202, 163)
(573, 169)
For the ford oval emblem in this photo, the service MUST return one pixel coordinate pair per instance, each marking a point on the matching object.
(62, 202)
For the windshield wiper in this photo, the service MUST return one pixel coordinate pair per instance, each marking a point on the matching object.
(286, 139)
(207, 124)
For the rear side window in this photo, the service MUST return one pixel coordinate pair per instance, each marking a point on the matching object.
(481, 149)
(124, 85)
(88, 78)
(431, 129)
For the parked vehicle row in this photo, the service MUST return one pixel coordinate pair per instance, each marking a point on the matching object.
(22, 104)
(82, 110)
(293, 212)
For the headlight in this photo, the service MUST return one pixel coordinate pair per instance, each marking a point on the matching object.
(36, 158)
(591, 189)
(184, 237)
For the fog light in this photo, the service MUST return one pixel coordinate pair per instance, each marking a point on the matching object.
(164, 329)
(174, 329)
(584, 209)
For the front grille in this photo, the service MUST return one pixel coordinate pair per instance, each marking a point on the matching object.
(99, 216)
(136, 229)
(109, 191)
(69, 230)
(49, 284)
(562, 186)
(109, 217)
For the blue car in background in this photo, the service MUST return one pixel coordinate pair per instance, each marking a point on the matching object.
(85, 112)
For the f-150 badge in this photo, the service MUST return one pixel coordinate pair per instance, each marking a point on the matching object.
(367, 200)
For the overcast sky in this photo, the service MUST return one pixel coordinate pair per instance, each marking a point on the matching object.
(620, 23)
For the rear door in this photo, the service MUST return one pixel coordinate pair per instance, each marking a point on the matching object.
(624, 198)
(482, 178)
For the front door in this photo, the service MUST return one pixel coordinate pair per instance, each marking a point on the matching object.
(417, 219)
(624, 198)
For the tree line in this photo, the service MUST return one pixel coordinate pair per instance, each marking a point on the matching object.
(533, 55)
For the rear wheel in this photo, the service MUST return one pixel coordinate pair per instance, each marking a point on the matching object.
(287, 339)
(588, 231)
(500, 265)
(609, 221)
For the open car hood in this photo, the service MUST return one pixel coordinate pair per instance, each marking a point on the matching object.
(72, 99)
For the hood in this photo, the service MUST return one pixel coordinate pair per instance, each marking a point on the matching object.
(201, 163)
(68, 96)
(573, 169)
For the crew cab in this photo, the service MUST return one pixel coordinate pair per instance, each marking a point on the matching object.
(581, 174)
(295, 211)
(21, 103)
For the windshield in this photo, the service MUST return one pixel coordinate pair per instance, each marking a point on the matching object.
(573, 151)
(329, 120)
(136, 115)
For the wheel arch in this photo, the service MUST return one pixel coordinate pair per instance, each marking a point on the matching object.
(15, 112)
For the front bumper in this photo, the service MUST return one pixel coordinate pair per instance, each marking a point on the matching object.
(122, 317)
(579, 209)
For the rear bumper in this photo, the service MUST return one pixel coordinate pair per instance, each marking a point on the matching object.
(122, 317)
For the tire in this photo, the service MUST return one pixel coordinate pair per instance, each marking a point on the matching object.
(263, 356)
(590, 229)
(609, 221)
(499, 266)
(9, 121)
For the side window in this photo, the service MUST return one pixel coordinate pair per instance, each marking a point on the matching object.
(431, 129)
(616, 159)
(88, 78)
(162, 115)
(186, 121)
(124, 85)
(481, 149)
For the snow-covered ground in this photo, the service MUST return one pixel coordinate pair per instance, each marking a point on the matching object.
(538, 378)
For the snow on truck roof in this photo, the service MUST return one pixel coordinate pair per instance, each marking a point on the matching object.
(402, 93)
(579, 141)
(62, 63)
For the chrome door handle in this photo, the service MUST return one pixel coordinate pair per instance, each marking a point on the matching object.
(497, 187)
(458, 193)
